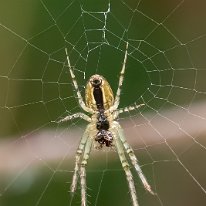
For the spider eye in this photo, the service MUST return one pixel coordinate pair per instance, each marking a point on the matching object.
(96, 82)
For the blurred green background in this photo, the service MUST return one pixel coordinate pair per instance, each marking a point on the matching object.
(165, 70)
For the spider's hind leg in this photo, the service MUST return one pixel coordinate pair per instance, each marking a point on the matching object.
(79, 152)
(126, 168)
(83, 171)
(133, 159)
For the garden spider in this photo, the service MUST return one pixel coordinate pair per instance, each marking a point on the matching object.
(103, 130)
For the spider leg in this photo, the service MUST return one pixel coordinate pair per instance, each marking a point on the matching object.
(83, 170)
(77, 160)
(130, 108)
(133, 159)
(79, 96)
(121, 78)
(74, 116)
(126, 109)
(128, 173)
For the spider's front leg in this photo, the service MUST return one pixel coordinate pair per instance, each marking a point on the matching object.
(79, 96)
(121, 79)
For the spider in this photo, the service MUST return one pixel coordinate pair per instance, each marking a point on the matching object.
(103, 130)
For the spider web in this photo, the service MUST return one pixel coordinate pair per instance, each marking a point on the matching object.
(165, 71)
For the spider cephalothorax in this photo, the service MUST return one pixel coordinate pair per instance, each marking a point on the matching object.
(103, 129)
(98, 93)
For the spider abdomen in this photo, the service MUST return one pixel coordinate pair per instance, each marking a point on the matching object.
(102, 122)
(103, 136)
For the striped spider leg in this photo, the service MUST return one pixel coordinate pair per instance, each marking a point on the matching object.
(103, 130)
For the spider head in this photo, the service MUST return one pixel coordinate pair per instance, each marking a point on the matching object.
(98, 93)
(96, 81)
